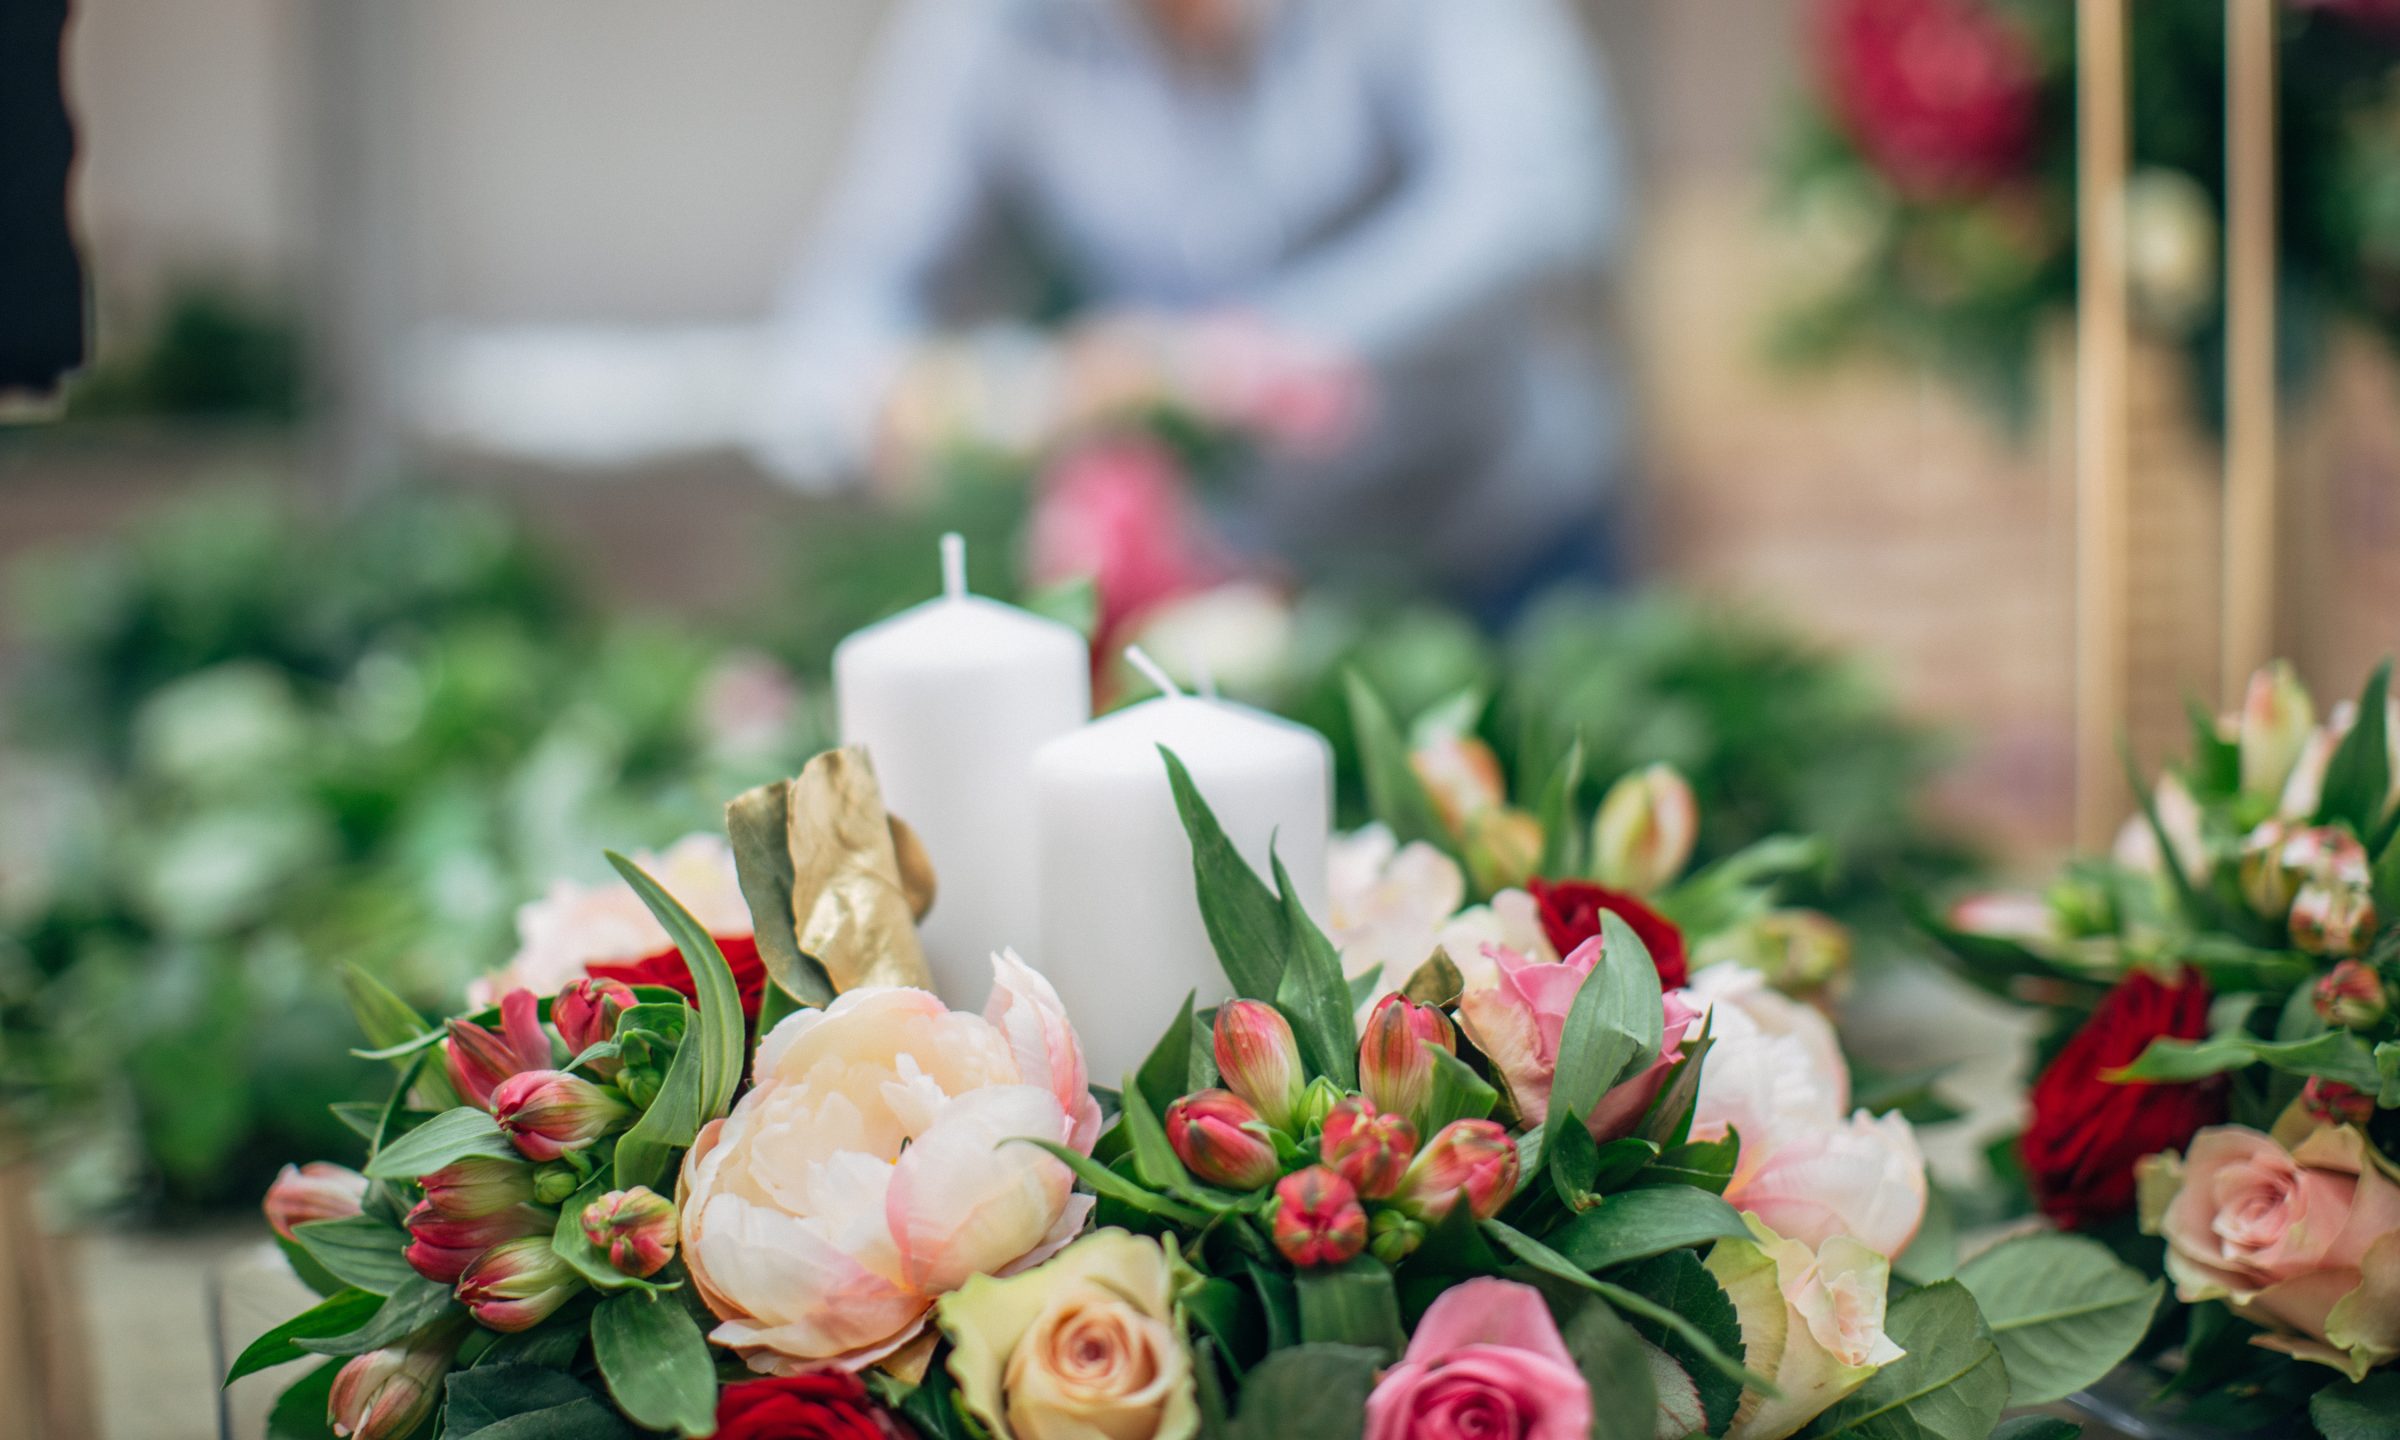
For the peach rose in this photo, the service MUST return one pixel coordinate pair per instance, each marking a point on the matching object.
(576, 926)
(870, 1170)
(2305, 1242)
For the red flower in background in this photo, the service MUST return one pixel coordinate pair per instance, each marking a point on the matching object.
(1571, 911)
(1118, 511)
(804, 1407)
(1942, 95)
(667, 968)
(2379, 15)
(2087, 1132)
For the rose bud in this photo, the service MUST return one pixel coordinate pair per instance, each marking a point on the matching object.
(1470, 1160)
(1317, 1218)
(2332, 919)
(477, 1059)
(1220, 1139)
(1393, 1068)
(1260, 1061)
(2352, 995)
(2266, 883)
(387, 1393)
(441, 1247)
(547, 1113)
(477, 1186)
(2330, 1102)
(1461, 776)
(315, 1191)
(2277, 717)
(518, 1285)
(1369, 1149)
(636, 1229)
(1502, 848)
(585, 1014)
(1642, 837)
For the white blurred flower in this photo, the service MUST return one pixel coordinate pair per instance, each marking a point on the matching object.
(1387, 903)
(1238, 635)
(575, 926)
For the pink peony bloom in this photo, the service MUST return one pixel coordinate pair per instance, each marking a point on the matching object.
(1487, 1359)
(1516, 1013)
(873, 1168)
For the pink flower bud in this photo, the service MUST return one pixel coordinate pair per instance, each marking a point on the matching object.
(477, 1186)
(518, 1285)
(2266, 883)
(1393, 1067)
(441, 1247)
(2277, 717)
(477, 1060)
(315, 1191)
(1643, 836)
(1470, 1160)
(2351, 995)
(1502, 848)
(1461, 776)
(2327, 854)
(585, 1013)
(547, 1113)
(1220, 1139)
(2330, 1102)
(1317, 1218)
(1369, 1149)
(2333, 919)
(1259, 1059)
(636, 1228)
(387, 1393)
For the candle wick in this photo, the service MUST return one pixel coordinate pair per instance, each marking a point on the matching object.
(954, 565)
(1140, 660)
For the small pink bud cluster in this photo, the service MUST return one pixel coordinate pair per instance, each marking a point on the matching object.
(315, 1191)
(586, 1013)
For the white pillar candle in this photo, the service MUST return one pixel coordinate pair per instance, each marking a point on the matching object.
(950, 700)
(1122, 937)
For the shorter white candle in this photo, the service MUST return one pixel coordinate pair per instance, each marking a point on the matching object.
(951, 699)
(1122, 938)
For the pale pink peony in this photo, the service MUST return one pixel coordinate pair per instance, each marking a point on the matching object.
(1516, 1013)
(576, 926)
(871, 1170)
(1487, 1359)
(1388, 904)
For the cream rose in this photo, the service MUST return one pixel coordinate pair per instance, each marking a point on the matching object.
(1812, 1321)
(1084, 1345)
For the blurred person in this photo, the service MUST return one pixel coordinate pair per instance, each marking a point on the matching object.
(1406, 191)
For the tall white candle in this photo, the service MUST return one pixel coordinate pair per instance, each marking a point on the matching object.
(1122, 938)
(951, 699)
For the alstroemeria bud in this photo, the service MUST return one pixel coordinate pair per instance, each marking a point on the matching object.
(585, 1014)
(2330, 1102)
(547, 1113)
(636, 1229)
(1470, 1160)
(518, 1285)
(477, 1186)
(1502, 848)
(2267, 883)
(1220, 1139)
(387, 1393)
(1317, 1218)
(2329, 918)
(1260, 1061)
(1801, 952)
(476, 1059)
(554, 1183)
(315, 1191)
(1392, 1236)
(1642, 837)
(1461, 776)
(2352, 995)
(1366, 1147)
(2277, 717)
(2329, 854)
(1393, 1067)
(441, 1247)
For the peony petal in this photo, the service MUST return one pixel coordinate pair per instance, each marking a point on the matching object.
(1025, 1008)
(964, 1200)
(785, 1281)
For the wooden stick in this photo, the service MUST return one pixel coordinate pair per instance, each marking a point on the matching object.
(2248, 639)
(2102, 338)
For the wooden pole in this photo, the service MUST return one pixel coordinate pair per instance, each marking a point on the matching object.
(2102, 340)
(2248, 637)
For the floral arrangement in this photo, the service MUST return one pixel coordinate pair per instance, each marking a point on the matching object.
(2229, 1079)
(1570, 1196)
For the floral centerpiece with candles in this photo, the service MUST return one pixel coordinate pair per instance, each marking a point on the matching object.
(2226, 1078)
(1570, 1198)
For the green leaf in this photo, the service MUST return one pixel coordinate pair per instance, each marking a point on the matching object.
(526, 1402)
(299, 1413)
(1637, 1224)
(758, 823)
(2369, 1410)
(2063, 1309)
(337, 1314)
(1549, 1262)
(363, 1118)
(383, 1017)
(2335, 1055)
(1394, 793)
(1933, 1254)
(2384, 880)
(2359, 776)
(1154, 1162)
(1614, 1028)
(408, 1309)
(1244, 919)
(358, 1251)
(656, 1363)
(2387, 1072)
(1680, 1284)
(707, 1067)
(1317, 1391)
(1702, 1164)
(1458, 1092)
(1101, 1180)
(451, 1135)
(1166, 1074)
(1562, 838)
(2037, 1427)
(1352, 1304)
(1670, 1119)
(1312, 993)
(1951, 1385)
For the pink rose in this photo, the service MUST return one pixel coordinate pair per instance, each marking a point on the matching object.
(1486, 1360)
(1516, 1012)
(2305, 1242)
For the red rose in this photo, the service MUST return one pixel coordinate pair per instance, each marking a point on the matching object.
(667, 968)
(2087, 1132)
(804, 1407)
(1571, 911)
(1943, 96)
